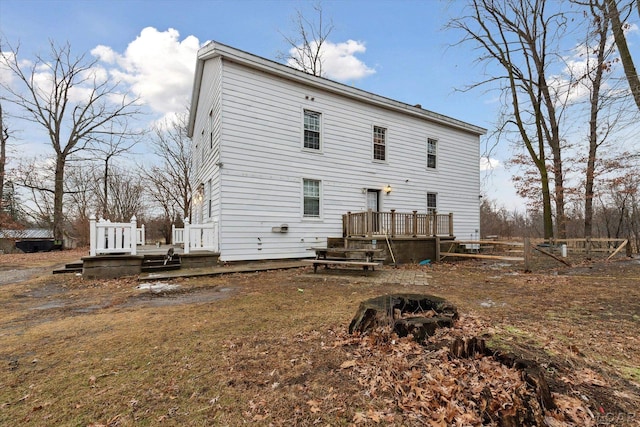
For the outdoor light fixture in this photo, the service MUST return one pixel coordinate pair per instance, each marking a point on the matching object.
(387, 189)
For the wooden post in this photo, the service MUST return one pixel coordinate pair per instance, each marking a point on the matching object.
(415, 223)
(133, 240)
(437, 249)
(587, 247)
(393, 223)
(434, 223)
(450, 224)
(527, 255)
(369, 228)
(92, 235)
(345, 224)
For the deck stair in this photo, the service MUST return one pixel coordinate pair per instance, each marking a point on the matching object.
(155, 263)
(72, 267)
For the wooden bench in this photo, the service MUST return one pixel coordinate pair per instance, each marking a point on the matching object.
(343, 262)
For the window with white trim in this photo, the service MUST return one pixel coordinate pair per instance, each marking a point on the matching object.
(432, 203)
(379, 143)
(432, 146)
(311, 130)
(311, 196)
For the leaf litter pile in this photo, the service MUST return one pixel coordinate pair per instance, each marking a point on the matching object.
(275, 349)
(434, 388)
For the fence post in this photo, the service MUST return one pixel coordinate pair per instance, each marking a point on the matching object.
(415, 223)
(527, 255)
(92, 235)
(187, 236)
(450, 224)
(369, 230)
(143, 239)
(393, 223)
(173, 234)
(434, 223)
(133, 240)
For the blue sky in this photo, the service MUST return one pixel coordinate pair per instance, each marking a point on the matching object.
(406, 46)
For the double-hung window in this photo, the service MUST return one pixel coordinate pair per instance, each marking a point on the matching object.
(432, 203)
(379, 143)
(311, 130)
(311, 196)
(432, 145)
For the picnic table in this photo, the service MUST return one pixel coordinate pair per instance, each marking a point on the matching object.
(360, 257)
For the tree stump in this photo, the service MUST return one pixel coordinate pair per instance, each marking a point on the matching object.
(416, 314)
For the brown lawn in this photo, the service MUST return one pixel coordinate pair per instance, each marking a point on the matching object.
(271, 348)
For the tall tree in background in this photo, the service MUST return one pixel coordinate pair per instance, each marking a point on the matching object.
(169, 181)
(593, 80)
(518, 38)
(116, 144)
(4, 137)
(72, 101)
(306, 44)
(618, 27)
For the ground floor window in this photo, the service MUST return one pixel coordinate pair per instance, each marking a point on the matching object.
(432, 203)
(311, 195)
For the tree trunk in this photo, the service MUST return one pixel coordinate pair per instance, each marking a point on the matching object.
(3, 157)
(58, 217)
(623, 49)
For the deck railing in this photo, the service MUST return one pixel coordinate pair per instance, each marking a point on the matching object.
(197, 237)
(106, 237)
(396, 224)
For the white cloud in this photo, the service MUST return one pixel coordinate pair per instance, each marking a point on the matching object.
(339, 60)
(489, 163)
(157, 66)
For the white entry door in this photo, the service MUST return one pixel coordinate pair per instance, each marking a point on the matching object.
(372, 200)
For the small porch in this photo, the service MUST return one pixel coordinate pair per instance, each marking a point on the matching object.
(118, 249)
(403, 237)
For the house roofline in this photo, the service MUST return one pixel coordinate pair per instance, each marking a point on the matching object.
(214, 49)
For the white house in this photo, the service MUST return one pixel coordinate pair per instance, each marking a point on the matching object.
(280, 156)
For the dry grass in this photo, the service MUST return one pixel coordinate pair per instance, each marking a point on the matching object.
(261, 347)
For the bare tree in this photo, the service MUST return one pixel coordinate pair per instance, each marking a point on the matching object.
(519, 36)
(4, 137)
(74, 104)
(169, 181)
(306, 44)
(618, 27)
(116, 144)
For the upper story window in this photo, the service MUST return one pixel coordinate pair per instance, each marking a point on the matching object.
(311, 196)
(379, 143)
(432, 203)
(432, 146)
(311, 130)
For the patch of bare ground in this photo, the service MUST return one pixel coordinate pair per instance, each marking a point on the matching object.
(272, 348)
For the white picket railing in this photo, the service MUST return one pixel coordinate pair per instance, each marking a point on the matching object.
(141, 236)
(106, 237)
(198, 237)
